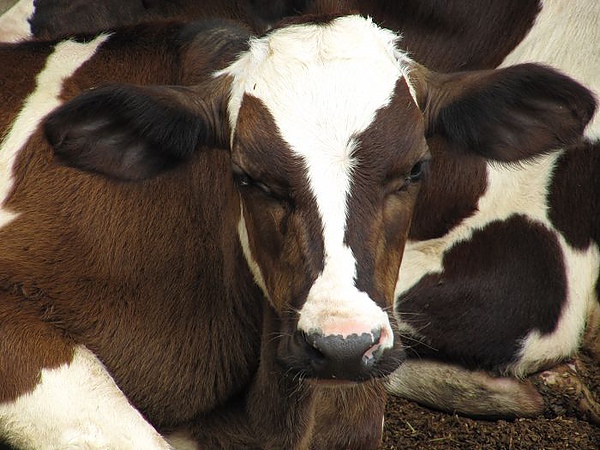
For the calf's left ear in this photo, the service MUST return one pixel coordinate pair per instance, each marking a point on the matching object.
(134, 132)
(504, 114)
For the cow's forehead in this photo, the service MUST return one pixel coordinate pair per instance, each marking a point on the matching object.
(322, 83)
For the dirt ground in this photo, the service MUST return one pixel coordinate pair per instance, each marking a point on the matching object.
(412, 427)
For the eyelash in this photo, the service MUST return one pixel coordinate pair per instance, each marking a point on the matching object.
(246, 181)
(417, 171)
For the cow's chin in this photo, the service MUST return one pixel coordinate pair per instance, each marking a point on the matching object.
(301, 361)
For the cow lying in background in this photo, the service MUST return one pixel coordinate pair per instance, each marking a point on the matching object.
(504, 278)
(227, 267)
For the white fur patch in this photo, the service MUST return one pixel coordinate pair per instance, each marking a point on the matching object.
(323, 84)
(67, 57)
(13, 23)
(181, 440)
(516, 189)
(245, 242)
(582, 273)
(565, 36)
(77, 406)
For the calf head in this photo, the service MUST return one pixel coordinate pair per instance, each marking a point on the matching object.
(325, 127)
(327, 180)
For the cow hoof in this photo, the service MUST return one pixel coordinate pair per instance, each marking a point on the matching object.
(566, 394)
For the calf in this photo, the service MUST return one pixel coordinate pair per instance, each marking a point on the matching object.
(224, 265)
(462, 34)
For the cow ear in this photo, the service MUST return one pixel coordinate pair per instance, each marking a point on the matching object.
(134, 132)
(505, 114)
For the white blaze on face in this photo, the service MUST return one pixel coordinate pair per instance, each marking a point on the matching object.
(323, 84)
(67, 57)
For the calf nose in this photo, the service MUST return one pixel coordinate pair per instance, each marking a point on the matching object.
(348, 357)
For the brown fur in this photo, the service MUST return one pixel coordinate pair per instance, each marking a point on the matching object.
(460, 35)
(464, 34)
(55, 19)
(271, 218)
(383, 250)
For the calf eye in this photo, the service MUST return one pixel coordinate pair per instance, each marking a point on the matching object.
(417, 171)
(244, 180)
(240, 177)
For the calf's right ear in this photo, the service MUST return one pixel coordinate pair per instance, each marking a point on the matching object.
(504, 114)
(135, 132)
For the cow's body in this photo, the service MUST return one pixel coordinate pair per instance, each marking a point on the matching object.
(523, 273)
(115, 227)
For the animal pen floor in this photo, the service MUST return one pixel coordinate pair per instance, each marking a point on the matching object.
(411, 427)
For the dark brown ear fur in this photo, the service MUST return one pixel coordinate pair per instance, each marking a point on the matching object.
(136, 132)
(505, 114)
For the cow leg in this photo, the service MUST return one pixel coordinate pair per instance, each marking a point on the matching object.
(54, 395)
(349, 417)
(279, 406)
(566, 393)
(472, 393)
(76, 405)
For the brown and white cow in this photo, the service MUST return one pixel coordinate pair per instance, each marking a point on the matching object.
(225, 263)
(503, 280)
